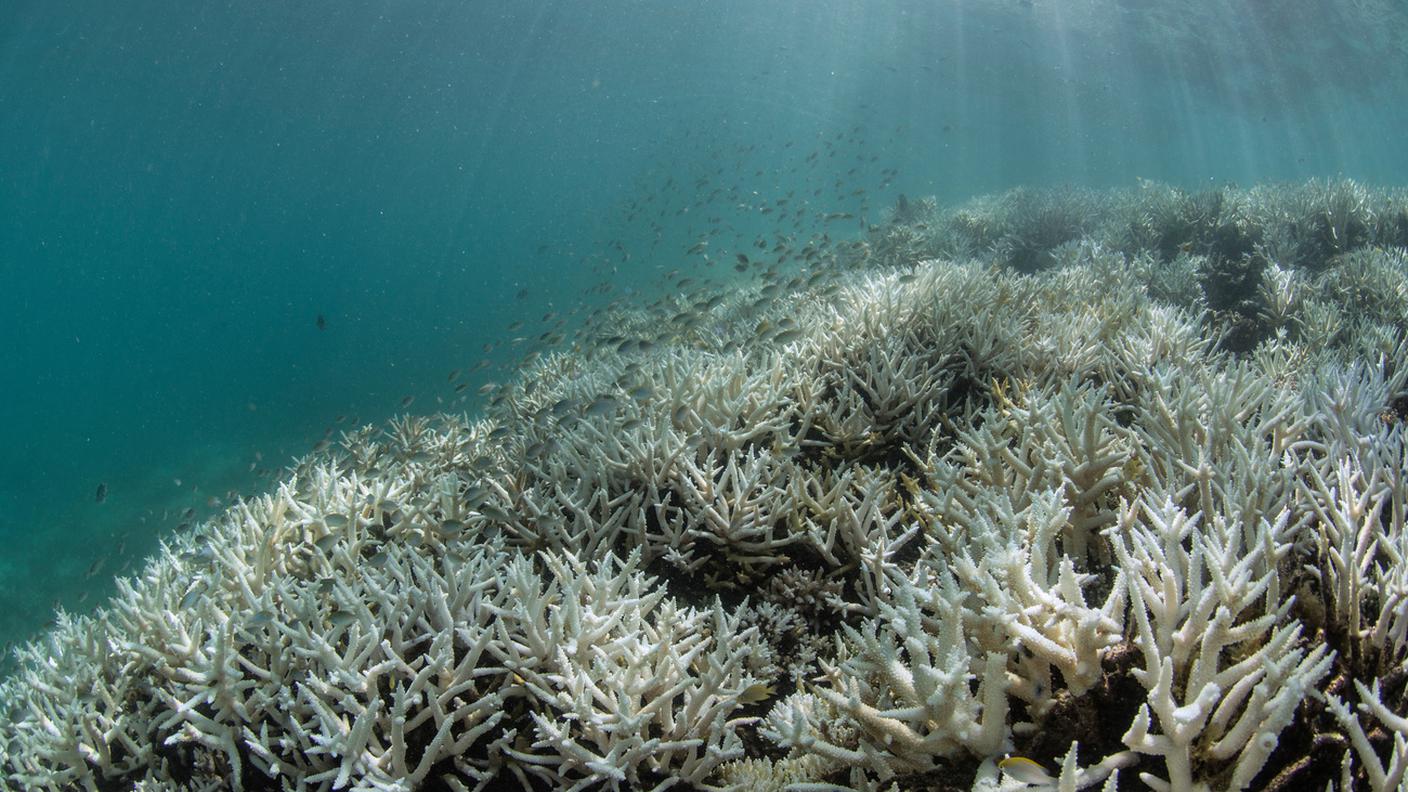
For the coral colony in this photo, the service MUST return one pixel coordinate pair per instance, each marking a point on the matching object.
(1053, 490)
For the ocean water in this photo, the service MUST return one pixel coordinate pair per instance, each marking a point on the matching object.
(229, 229)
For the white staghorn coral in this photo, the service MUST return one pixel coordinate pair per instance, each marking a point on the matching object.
(872, 536)
(903, 691)
(625, 684)
(1191, 586)
(1032, 594)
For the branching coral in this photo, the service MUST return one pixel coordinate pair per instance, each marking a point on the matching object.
(877, 534)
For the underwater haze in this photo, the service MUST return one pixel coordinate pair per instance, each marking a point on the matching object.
(231, 230)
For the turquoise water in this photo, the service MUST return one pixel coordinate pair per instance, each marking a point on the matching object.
(186, 187)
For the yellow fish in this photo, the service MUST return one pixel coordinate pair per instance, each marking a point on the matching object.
(755, 693)
(1027, 771)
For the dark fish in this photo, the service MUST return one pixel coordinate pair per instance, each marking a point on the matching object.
(322, 323)
(193, 595)
(494, 512)
(604, 405)
(102, 493)
(406, 401)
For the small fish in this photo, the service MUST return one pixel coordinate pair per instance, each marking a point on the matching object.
(261, 618)
(454, 526)
(379, 559)
(755, 693)
(325, 585)
(336, 521)
(341, 618)
(406, 401)
(327, 543)
(205, 554)
(322, 322)
(602, 406)
(494, 512)
(192, 596)
(102, 493)
(1027, 771)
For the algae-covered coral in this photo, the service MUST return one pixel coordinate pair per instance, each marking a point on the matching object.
(1060, 488)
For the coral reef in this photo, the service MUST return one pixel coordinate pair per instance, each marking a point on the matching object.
(1048, 490)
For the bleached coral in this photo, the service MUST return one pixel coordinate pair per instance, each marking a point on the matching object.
(874, 535)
